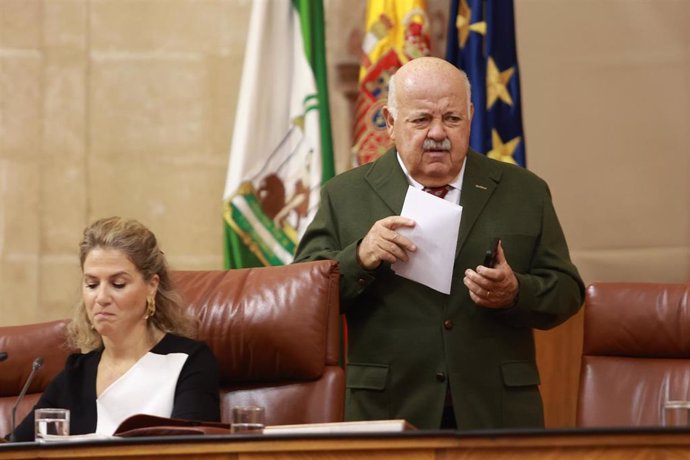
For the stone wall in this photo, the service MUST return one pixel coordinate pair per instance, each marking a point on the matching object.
(127, 107)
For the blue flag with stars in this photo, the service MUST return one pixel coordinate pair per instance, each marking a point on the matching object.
(481, 41)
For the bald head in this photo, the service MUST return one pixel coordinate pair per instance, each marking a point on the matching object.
(428, 116)
(425, 68)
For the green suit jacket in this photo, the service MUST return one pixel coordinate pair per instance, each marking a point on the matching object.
(407, 342)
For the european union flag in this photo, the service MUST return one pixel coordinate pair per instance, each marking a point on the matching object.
(481, 41)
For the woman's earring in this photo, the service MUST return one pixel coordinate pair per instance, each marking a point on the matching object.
(150, 307)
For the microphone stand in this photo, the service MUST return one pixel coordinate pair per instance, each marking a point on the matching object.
(35, 366)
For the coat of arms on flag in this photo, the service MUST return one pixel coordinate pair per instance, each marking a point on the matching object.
(396, 32)
(269, 210)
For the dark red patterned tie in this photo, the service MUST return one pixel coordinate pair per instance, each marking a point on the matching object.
(438, 191)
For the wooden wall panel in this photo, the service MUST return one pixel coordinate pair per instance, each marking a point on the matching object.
(558, 357)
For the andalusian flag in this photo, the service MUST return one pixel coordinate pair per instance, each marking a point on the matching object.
(481, 41)
(281, 149)
(396, 32)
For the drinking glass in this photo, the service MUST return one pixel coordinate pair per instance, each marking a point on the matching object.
(676, 413)
(51, 424)
(248, 419)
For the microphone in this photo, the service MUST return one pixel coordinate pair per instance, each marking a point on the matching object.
(3, 356)
(37, 364)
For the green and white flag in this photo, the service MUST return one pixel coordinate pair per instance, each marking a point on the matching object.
(281, 149)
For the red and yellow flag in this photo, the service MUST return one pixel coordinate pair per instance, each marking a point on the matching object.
(396, 32)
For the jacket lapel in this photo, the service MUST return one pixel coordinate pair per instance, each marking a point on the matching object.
(388, 181)
(480, 181)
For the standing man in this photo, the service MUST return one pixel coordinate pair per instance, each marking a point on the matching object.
(466, 359)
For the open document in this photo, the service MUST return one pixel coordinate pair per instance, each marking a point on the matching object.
(436, 237)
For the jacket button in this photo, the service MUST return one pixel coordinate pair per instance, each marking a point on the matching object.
(362, 281)
(441, 376)
(448, 324)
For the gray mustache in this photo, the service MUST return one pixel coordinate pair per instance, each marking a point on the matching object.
(430, 144)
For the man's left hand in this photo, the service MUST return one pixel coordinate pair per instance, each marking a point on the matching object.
(493, 287)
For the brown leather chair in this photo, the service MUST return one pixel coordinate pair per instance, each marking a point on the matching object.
(274, 331)
(23, 345)
(275, 334)
(636, 353)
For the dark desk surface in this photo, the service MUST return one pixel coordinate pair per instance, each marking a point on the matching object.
(412, 445)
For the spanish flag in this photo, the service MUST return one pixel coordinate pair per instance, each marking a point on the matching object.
(396, 32)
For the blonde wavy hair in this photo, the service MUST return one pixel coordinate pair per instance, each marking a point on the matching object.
(139, 244)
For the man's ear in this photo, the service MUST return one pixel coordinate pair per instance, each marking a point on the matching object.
(390, 121)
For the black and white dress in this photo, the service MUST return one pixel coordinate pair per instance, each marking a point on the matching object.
(177, 378)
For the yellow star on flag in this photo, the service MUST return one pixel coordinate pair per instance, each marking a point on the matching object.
(496, 84)
(500, 151)
(462, 22)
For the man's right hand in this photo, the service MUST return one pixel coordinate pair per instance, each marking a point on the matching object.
(383, 243)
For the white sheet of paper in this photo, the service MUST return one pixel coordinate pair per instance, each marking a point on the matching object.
(436, 237)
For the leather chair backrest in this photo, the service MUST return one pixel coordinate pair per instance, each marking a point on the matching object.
(636, 353)
(23, 345)
(274, 331)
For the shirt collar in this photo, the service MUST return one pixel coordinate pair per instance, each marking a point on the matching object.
(455, 183)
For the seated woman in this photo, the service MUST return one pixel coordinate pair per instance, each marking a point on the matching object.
(138, 357)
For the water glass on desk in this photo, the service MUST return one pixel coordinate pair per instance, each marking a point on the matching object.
(676, 413)
(51, 424)
(248, 419)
